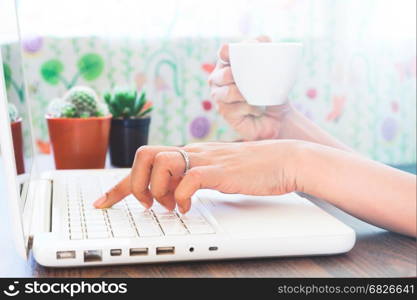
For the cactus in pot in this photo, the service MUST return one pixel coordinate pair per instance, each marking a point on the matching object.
(130, 124)
(79, 127)
(78, 102)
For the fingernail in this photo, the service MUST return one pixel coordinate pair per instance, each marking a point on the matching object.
(100, 201)
(145, 204)
(181, 209)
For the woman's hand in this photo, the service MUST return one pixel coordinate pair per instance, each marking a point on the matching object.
(366, 189)
(251, 122)
(261, 123)
(253, 168)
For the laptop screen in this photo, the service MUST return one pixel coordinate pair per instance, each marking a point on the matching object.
(18, 107)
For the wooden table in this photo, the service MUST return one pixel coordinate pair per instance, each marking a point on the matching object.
(377, 253)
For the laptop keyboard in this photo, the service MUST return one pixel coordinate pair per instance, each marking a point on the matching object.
(126, 219)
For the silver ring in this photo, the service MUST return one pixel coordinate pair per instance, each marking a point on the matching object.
(186, 159)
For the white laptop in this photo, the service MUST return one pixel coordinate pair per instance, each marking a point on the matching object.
(52, 216)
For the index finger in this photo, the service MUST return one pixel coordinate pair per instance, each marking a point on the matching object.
(115, 194)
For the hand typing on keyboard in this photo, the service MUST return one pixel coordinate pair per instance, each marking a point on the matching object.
(125, 219)
(171, 175)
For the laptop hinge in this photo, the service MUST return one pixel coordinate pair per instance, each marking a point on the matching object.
(38, 209)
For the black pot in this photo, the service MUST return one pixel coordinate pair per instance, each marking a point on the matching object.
(126, 136)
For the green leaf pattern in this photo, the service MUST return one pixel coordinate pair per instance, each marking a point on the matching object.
(51, 71)
(90, 66)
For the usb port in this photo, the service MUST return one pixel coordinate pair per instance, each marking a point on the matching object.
(138, 251)
(92, 255)
(165, 250)
(213, 248)
(65, 254)
(115, 252)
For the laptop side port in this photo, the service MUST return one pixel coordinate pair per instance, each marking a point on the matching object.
(92, 255)
(65, 254)
(115, 252)
(213, 248)
(165, 250)
(138, 251)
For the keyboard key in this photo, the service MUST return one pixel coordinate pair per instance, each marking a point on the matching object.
(141, 212)
(145, 222)
(124, 233)
(120, 227)
(97, 235)
(76, 235)
(148, 230)
(92, 214)
(74, 214)
(94, 219)
(168, 217)
(126, 227)
(74, 210)
(97, 224)
(173, 228)
(119, 218)
(73, 204)
(76, 227)
(116, 212)
(143, 219)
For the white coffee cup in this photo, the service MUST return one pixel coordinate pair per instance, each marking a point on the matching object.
(265, 72)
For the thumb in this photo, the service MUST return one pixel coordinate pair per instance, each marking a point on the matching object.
(206, 177)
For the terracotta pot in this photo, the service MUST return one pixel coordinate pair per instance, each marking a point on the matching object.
(18, 146)
(79, 143)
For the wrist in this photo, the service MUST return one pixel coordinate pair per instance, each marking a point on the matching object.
(303, 159)
(287, 117)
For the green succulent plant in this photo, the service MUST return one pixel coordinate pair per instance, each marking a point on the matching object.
(127, 103)
(78, 102)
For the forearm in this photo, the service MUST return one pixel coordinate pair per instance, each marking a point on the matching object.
(297, 126)
(371, 191)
